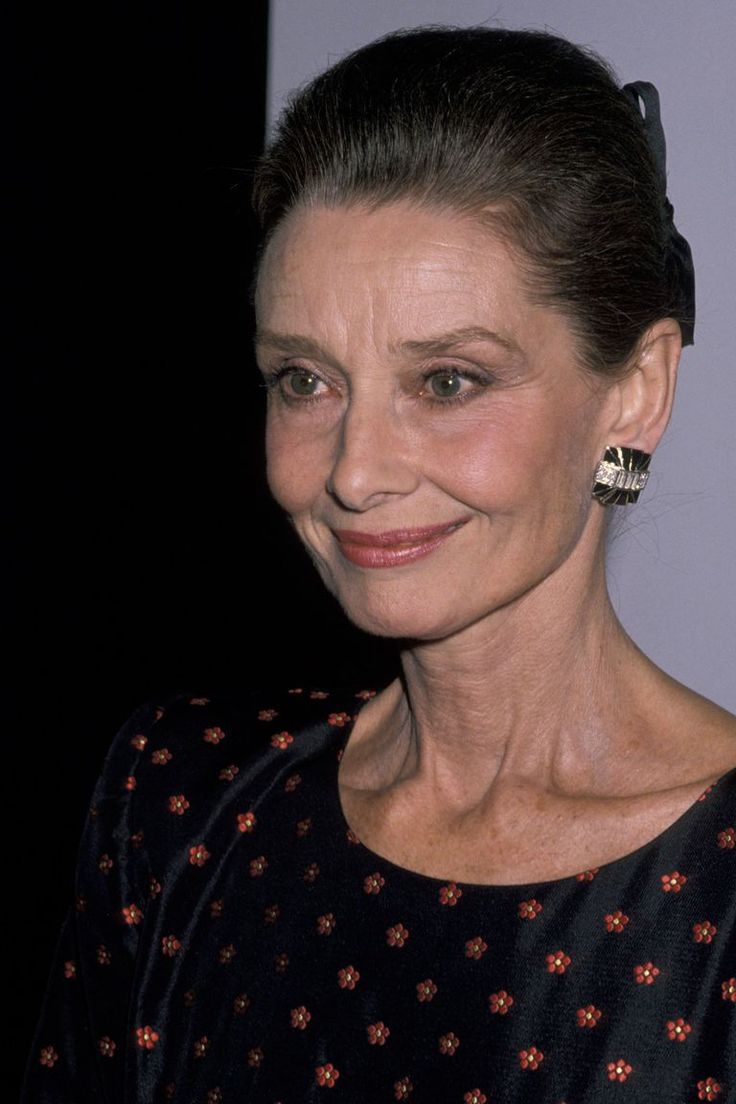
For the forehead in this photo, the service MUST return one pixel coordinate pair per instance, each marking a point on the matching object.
(395, 260)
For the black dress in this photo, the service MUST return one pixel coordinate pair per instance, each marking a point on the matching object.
(232, 940)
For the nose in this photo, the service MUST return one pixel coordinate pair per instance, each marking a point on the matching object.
(373, 457)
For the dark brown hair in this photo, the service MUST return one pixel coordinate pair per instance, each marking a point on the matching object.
(521, 129)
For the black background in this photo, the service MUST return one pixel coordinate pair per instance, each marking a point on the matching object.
(150, 556)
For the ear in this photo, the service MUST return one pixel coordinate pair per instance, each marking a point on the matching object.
(643, 403)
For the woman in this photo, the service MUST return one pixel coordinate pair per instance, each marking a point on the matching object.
(503, 876)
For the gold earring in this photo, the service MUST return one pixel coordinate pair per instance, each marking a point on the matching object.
(621, 475)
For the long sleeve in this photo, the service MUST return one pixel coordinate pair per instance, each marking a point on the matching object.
(81, 1044)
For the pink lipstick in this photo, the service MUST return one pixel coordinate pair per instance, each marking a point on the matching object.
(394, 547)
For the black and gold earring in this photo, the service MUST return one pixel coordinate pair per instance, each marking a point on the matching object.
(621, 475)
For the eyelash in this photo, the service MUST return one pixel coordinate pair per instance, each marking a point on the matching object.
(273, 381)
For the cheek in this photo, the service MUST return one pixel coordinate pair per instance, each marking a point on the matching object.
(294, 464)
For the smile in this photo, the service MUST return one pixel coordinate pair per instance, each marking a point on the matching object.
(367, 550)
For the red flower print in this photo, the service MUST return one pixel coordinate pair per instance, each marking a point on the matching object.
(450, 894)
(709, 1089)
(161, 756)
(139, 741)
(377, 1033)
(351, 836)
(729, 989)
(105, 864)
(188, 998)
(705, 793)
(619, 1070)
(348, 977)
(402, 1089)
(338, 719)
(178, 804)
(130, 783)
(80, 903)
(558, 962)
(365, 694)
(318, 695)
(213, 735)
(255, 1057)
(70, 969)
(226, 954)
(397, 935)
(704, 932)
(500, 1002)
(247, 821)
(426, 990)
(104, 957)
(615, 921)
(327, 1075)
(258, 866)
(588, 1016)
(170, 945)
(198, 855)
(267, 714)
(529, 910)
(475, 947)
(199, 701)
(137, 838)
(107, 1047)
(217, 908)
(48, 1056)
(311, 872)
(374, 883)
(296, 690)
(587, 875)
(646, 974)
(282, 740)
(449, 1043)
(303, 827)
(673, 883)
(292, 782)
(214, 1096)
(228, 773)
(146, 1037)
(475, 1096)
(326, 924)
(241, 1004)
(727, 839)
(154, 887)
(531, 1058)
(281, 962)
(300, 1017)
(200, 1046)
(132, 914)
(678, 1030)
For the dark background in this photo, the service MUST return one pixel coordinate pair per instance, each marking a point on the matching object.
(150, 556)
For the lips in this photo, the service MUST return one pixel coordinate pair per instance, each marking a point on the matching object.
(396, 538)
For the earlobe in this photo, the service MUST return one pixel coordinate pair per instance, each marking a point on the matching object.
(647, 391)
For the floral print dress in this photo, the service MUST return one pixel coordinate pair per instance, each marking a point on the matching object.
(231, 939)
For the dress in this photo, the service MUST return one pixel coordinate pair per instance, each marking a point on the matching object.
(232, 940)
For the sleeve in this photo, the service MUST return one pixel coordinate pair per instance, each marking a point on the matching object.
(80, 1045)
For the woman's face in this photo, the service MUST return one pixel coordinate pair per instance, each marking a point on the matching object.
(418, 386)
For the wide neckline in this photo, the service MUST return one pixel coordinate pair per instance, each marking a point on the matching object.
(360, 848)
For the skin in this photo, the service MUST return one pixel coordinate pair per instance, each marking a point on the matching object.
(523, 708)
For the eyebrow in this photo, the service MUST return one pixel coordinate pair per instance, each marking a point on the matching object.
(293, 344)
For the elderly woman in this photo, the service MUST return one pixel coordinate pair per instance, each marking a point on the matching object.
(508, 875)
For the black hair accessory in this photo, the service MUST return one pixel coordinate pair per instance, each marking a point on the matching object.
(648, 94)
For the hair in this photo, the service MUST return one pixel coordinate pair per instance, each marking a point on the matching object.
(522, 130)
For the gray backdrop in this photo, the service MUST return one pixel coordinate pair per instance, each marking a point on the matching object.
(671, 563)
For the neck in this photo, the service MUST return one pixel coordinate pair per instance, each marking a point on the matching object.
(534, 690)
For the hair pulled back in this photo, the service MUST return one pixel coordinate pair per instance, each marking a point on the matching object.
(522, 130)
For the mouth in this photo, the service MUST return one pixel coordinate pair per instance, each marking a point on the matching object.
(397, 538)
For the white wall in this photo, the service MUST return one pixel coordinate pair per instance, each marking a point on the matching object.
(672, 568)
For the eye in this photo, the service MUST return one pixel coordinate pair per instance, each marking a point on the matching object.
(445, 385)
(300, 387)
